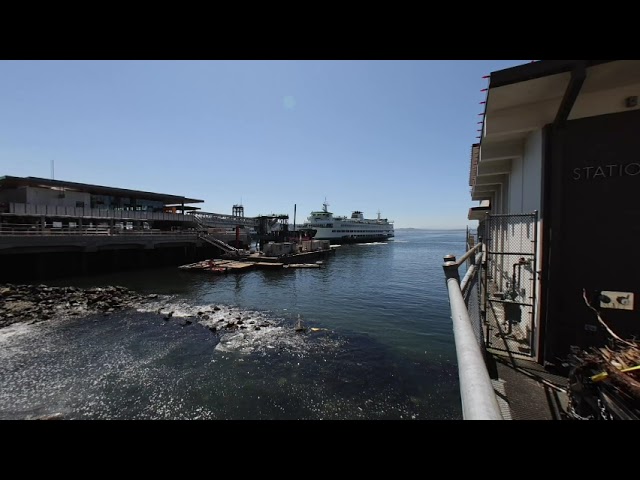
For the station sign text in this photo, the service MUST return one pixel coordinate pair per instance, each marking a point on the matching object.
(606, 171)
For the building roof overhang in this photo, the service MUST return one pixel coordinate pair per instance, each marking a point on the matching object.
(535, 70)
(479, 212)
(12, 182)
(524, 99)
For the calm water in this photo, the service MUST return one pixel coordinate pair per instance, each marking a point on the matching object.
(385, 349)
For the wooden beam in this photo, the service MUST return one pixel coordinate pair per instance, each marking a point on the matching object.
(578, 74)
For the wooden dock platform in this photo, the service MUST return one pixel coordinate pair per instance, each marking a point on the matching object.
(297, 258)
(243, 260)
(269, 264)
(219, 266)
(237, 265)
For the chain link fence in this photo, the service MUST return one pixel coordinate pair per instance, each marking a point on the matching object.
(510, 282)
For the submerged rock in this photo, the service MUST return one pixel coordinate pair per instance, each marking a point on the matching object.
(299, 327)
(27, 303)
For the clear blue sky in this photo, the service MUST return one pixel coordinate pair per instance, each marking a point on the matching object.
(393, 136)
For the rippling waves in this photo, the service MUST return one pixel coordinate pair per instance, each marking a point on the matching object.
(378, 344)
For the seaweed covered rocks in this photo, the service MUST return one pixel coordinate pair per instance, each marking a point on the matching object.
(36, 303)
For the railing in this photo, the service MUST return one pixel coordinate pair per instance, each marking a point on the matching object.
(216, 242)
(202, 218)
(199, 222)
(82, 212)
(21, 231)
(211, 219)
(476, 391)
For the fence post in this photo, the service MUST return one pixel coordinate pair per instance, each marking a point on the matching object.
(450, 268)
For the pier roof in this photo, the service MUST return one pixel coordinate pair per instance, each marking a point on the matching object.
(9, 181)
(531, 71)
(524, 99)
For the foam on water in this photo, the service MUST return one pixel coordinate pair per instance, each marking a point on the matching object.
(17, 329)
(137, 365)
(259, 332)
(115, 366)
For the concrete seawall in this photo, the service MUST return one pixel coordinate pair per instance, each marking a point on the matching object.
(28, 258)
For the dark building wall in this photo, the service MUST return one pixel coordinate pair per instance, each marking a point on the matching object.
(36, 267)
(593, 210)
(16, 195)
(47, 196)
(125, 203)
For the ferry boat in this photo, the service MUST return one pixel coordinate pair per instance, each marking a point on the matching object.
(355, 229)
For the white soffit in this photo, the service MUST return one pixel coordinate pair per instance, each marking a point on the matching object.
(611, 75)
(515, 110)
(606, 87)
(528, 92)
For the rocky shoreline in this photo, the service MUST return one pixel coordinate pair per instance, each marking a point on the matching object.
(30, 304)
(38, 303)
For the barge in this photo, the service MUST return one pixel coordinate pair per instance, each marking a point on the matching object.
(306, 254)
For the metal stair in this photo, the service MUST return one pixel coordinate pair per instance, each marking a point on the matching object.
(218, 243)
(198, 221)
(203, 234)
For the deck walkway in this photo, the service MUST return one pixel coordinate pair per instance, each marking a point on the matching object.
(524, 388)
(526, 391)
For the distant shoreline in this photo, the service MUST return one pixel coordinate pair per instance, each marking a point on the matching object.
(462, 229)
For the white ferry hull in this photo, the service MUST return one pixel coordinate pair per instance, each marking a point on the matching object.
(353, 237)
(357, 229)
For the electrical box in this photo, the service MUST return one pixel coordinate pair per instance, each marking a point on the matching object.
(616, 300)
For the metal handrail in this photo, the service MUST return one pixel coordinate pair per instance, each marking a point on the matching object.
(216, 218)
(464, 284)
(217, 242)
(464, 257)
(476, 391)
(91, 231)
(60, 211)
